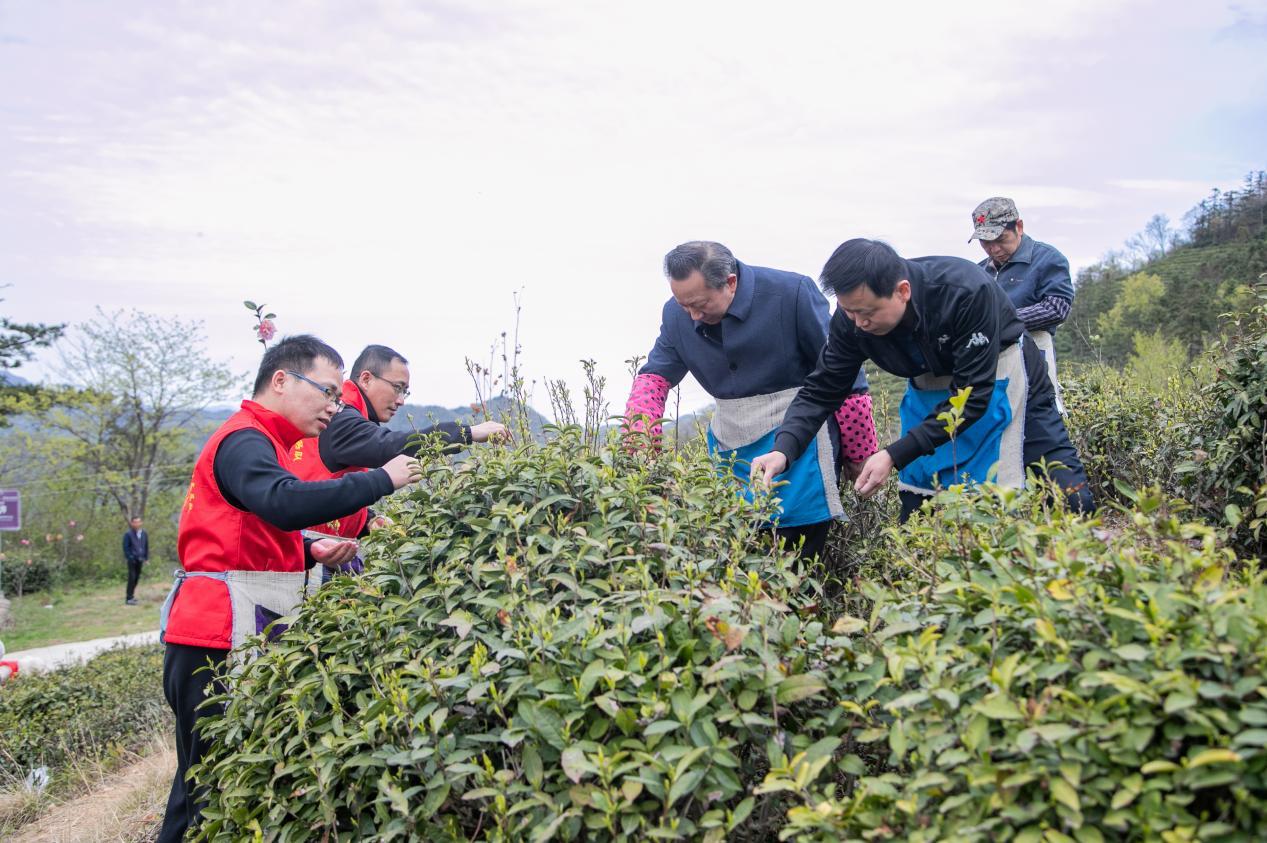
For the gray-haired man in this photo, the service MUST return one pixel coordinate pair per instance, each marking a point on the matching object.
(750, 335)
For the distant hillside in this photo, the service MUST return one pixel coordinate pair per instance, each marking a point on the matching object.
(1180, 289)
(409, 417)
(419, 416)
(414, 417)
(689, 426)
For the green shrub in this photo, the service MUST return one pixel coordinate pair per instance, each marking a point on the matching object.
(554, 644)
(1134, 426)
(27, 572)
(1230, 472)
(1032, 676)
(548, 643)
(113, 702)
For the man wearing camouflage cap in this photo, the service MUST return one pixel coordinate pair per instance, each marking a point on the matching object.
(1034, 275)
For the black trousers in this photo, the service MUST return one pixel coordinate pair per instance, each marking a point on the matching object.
(134, 576)
(1045, 439)
(815, 536)
(185, 681)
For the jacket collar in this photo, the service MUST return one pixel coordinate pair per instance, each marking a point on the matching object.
(914, 316)
(1024, 253)
(355, 397)
(277, 425)
(742, 304)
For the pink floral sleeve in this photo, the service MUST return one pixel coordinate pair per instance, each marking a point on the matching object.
(647, 398)
(857, 428)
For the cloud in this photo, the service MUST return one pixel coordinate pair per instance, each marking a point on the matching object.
(1188, 188)
(392, 171)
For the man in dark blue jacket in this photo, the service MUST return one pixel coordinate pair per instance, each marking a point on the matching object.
(943, 323)
(750, 335)
(1034, 275)
(136, 551)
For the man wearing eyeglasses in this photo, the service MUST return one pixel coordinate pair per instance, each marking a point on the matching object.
(750, 335)
(245, 562)
(357, 439)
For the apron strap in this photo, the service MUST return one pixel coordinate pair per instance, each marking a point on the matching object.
(180, 576)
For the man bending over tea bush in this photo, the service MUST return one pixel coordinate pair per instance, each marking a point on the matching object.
(750, 335)
(245, 562)
(944, 324)
(356, 439)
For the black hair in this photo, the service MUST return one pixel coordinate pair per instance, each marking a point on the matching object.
(713, 260)
(296, 354)
(861, 261)
(374, 359)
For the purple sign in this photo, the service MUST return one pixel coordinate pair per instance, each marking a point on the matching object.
(10, 509)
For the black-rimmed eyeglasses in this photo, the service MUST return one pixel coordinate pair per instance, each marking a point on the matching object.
(333, 394)
(402, 389)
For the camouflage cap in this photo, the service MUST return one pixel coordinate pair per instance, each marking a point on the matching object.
(992, 216)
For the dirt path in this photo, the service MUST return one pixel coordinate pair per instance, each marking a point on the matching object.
(126, 808)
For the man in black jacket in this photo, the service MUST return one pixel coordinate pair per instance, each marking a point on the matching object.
(357, 437)
(136, 552)
(943, 323)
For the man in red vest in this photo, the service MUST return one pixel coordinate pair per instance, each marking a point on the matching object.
(245, 562)
(357, 437)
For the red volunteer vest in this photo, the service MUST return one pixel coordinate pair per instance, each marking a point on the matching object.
(216, 536)
(306, 464)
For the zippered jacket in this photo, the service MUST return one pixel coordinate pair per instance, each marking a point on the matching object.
(956, 322)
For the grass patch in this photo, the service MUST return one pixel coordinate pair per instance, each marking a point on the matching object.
(81, 723)
(120, 799)
(82, 613)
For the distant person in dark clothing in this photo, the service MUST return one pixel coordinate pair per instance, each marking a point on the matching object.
(136, 551)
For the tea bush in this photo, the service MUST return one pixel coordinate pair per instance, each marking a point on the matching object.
(1230, 472)
(548, 643)
(1131, 429)
(1031, 676)
(113, 702)
(555, 644)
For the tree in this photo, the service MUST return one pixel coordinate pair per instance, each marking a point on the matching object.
(1155, 241)
(140, 383)
(1134, 311)
(17, 343)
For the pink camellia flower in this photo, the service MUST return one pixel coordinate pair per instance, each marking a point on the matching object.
(24, 542)
(266, 330)
(71, 524)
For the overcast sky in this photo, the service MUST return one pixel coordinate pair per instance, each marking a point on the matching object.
(393, 172)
